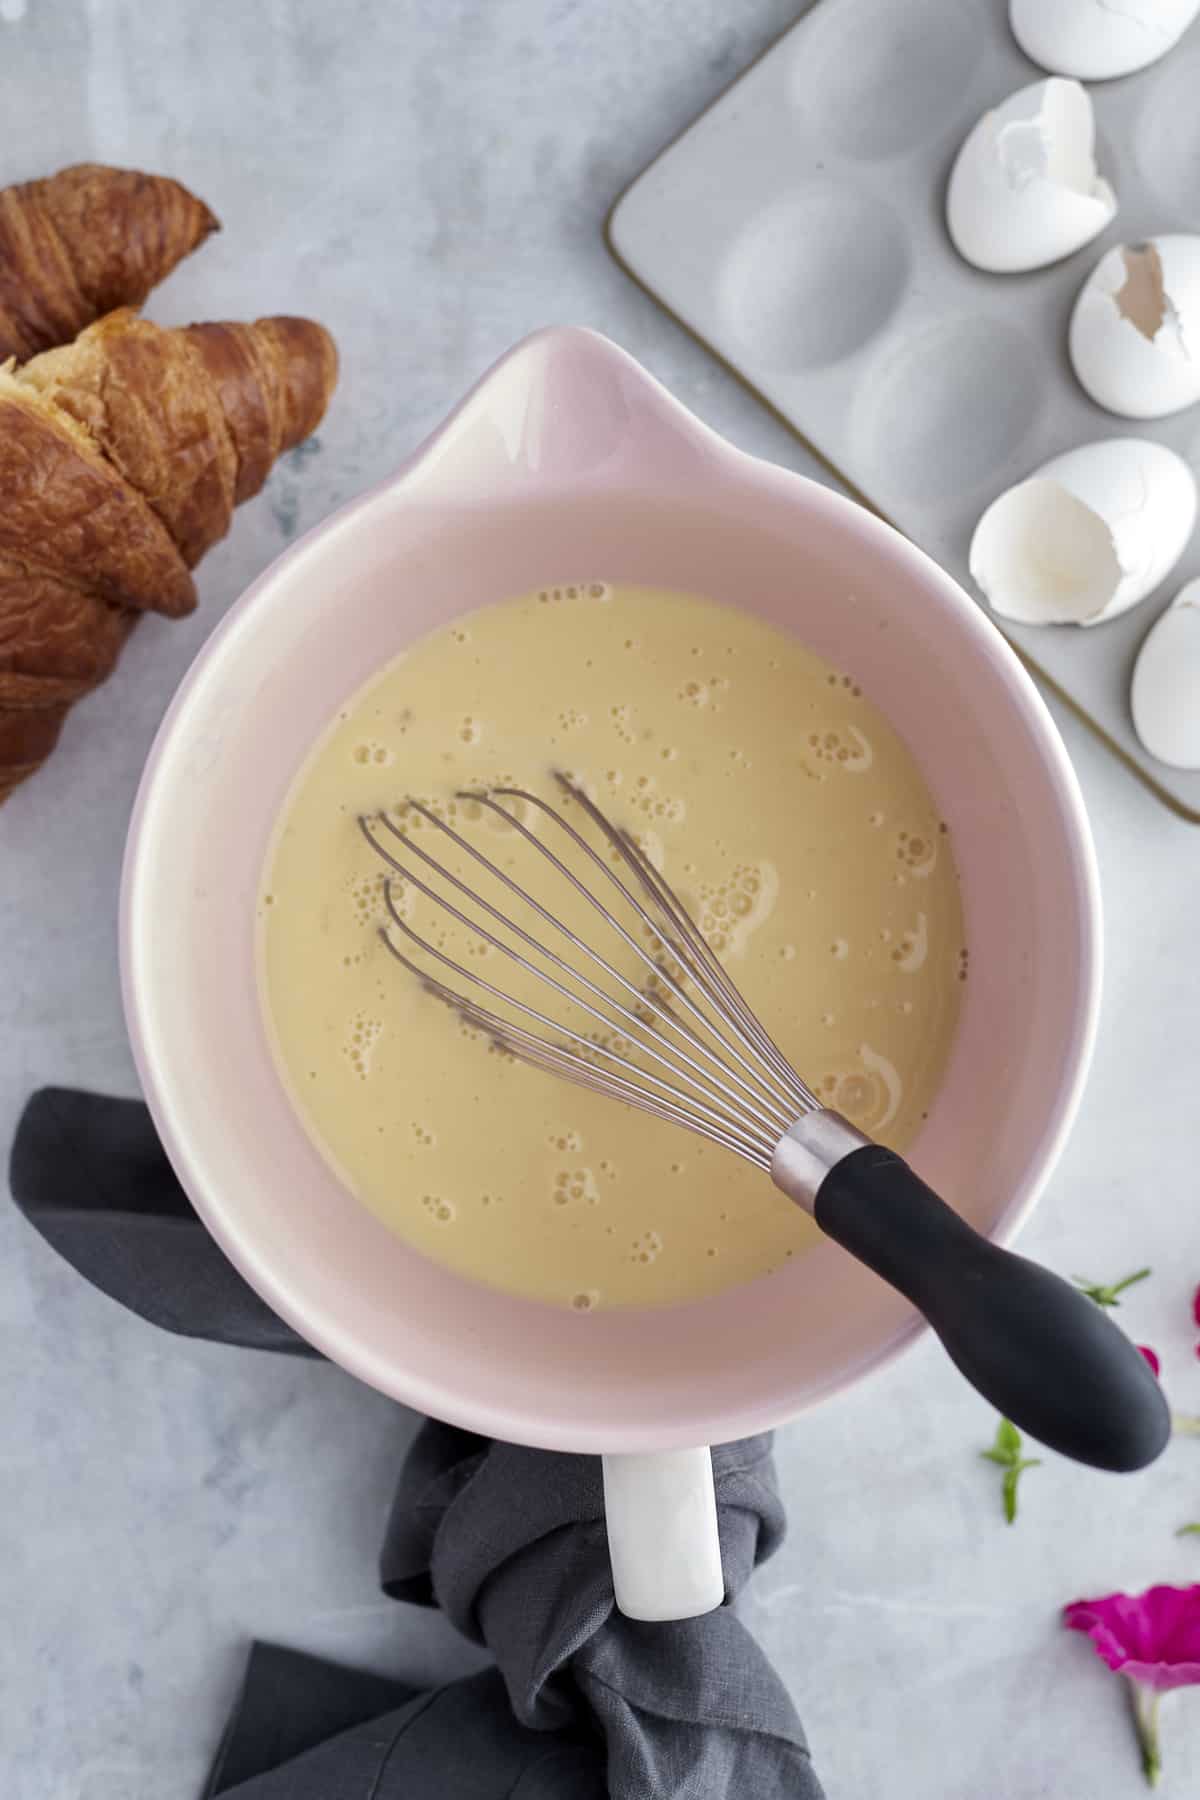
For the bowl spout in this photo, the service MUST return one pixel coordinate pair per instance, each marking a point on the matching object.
(565, 409)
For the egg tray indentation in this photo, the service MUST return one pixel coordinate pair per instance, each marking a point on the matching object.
(814, 276)
(914, 53)
(797, 228)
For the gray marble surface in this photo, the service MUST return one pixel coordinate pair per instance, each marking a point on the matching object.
(429, 177)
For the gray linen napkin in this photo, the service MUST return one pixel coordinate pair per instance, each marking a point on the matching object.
(509, 1542)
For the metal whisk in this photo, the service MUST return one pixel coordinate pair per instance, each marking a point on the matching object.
(678, 1040)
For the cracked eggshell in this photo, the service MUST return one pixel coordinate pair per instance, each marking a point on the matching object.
(1087, 536)
(1135, 330)
(1095, 40)
(1024, 190)
(1165, 695)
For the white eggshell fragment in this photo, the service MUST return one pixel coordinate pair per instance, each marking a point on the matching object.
(1165, 696)
(1087, 536)
(1135, 331)
(1097, 39)
(1024, 190)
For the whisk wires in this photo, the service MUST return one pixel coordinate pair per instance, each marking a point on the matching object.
(676, 1037)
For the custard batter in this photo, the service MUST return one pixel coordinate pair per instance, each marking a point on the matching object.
(779, 804)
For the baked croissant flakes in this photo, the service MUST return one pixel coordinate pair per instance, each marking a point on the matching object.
(122, 457)
(84, 241)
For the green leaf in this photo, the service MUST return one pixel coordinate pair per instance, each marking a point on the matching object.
(1011, 1477)
(1008, 1439)
(1188, 1531)
(1010, 1495)
(1106, 1294)
(1006, 1454)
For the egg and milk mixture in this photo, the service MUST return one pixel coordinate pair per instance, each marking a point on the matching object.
(775, 799)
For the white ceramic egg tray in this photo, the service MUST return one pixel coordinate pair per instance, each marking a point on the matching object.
(797, 228)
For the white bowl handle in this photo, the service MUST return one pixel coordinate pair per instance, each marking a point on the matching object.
(662, 1534)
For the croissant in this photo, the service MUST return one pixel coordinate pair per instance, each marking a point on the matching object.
(79, 243)
(122, 457)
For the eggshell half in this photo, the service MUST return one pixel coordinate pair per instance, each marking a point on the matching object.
(1135, 330)
(1097, 39)
(1165, 695)
(1087, 536)
(1024, 190)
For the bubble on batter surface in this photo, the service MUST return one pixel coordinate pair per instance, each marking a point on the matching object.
(647, 1248)
(367, 894)
(869, 1092)
(408, 821)
(362, 1035)
(917, 852)
(704, 693)
(912, 948)
(620, 717)
(731, 911)
(372, 754)
(646, 797)
(845, 748)
(575, 1187)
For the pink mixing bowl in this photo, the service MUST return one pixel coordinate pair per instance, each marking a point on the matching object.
(569, 460)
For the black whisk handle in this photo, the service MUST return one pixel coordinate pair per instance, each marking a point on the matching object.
(1036, 1348)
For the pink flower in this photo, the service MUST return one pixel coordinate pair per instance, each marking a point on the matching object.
(1153, 1639)
(1196, 1306)
(1151, 1357)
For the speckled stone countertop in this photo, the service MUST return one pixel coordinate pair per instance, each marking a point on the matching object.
(430, 179)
